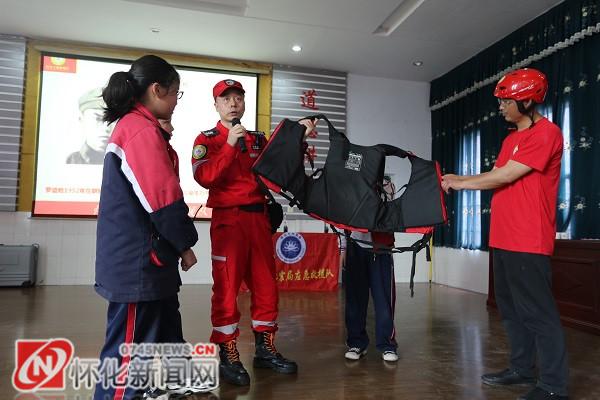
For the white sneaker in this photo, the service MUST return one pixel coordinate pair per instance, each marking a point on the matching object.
(188, 388)
(390, 355)
(156, 394)
(354, 353)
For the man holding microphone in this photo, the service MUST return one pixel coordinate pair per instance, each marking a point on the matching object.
(240, 231)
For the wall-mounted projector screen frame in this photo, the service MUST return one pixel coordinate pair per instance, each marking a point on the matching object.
(67, 173)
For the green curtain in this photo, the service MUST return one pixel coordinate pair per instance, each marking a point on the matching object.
(545, 34)
(475, 113)
(573, 102)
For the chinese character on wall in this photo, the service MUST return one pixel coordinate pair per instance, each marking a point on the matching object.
(309, 99)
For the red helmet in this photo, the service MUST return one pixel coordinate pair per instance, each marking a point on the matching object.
(522, 84)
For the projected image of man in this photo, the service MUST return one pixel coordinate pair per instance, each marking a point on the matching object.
(95, 132)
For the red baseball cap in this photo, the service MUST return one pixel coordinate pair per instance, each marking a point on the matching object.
(226, 84)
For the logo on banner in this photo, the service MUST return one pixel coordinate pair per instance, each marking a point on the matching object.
(40, 364)
(290, 247)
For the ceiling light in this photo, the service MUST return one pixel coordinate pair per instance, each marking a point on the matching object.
(296, 48)
(155, 30)
(417, 63)
(401, 13)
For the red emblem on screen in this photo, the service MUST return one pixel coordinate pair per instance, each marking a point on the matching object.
(59, 64)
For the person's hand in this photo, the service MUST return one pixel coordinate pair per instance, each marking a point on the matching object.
(451, 181)
(310, 126)
(235, 133)
(188, 259)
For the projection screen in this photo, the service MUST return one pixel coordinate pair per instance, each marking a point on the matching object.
(72, 138)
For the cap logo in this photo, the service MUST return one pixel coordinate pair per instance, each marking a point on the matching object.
(229, 82)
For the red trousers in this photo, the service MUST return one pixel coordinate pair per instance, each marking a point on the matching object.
(242, 250)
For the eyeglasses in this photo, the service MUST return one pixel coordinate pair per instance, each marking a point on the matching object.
(178, 94)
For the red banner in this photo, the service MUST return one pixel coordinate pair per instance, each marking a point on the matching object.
(306, 261)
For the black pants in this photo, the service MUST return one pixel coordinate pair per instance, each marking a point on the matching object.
(523, 287)
(364, 272)
(145, 322)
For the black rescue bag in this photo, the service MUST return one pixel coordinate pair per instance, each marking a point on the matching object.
(347, 191)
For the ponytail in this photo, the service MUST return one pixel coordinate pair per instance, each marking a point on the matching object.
(119, 96)
(124, 89)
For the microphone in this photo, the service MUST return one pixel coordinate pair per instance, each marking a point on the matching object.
(241, 141)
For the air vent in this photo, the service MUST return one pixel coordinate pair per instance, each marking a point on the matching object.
(229, 7)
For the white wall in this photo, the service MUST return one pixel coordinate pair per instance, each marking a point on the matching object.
(464, 269)
(397, 112)
(379, 111)
(67, 247)
(390, 111)
(394, 112)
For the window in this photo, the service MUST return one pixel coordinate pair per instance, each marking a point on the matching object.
(563, 215)
(469, 225)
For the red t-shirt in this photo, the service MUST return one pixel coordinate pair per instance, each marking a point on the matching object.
(523, 216)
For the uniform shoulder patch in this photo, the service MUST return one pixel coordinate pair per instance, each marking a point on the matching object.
(211, 132)
(199, 152)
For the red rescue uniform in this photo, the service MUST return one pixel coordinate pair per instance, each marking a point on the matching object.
(240, 232)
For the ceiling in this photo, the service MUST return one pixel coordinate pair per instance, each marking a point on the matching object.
(334, 34)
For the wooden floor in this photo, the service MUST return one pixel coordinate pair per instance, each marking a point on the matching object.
(447, 338)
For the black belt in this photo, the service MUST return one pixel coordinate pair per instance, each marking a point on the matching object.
(260, 207)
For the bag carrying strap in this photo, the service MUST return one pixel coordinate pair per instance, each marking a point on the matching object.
(378, 248)
(390, 150)
(267, 192)
(333, 132)
(332, 129)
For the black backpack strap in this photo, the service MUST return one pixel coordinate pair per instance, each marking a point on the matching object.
(417, 246)
(378, 248)
(274, 209)
(333, 132)
(390, 150)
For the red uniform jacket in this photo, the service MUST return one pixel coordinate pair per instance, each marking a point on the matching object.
(224, 170)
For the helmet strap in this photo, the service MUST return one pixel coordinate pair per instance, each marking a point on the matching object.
(529, 111)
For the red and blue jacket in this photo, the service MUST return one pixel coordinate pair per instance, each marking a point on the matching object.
(143, 222)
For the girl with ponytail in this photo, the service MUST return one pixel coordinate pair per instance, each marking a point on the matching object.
(143, 225)
(125, 89)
